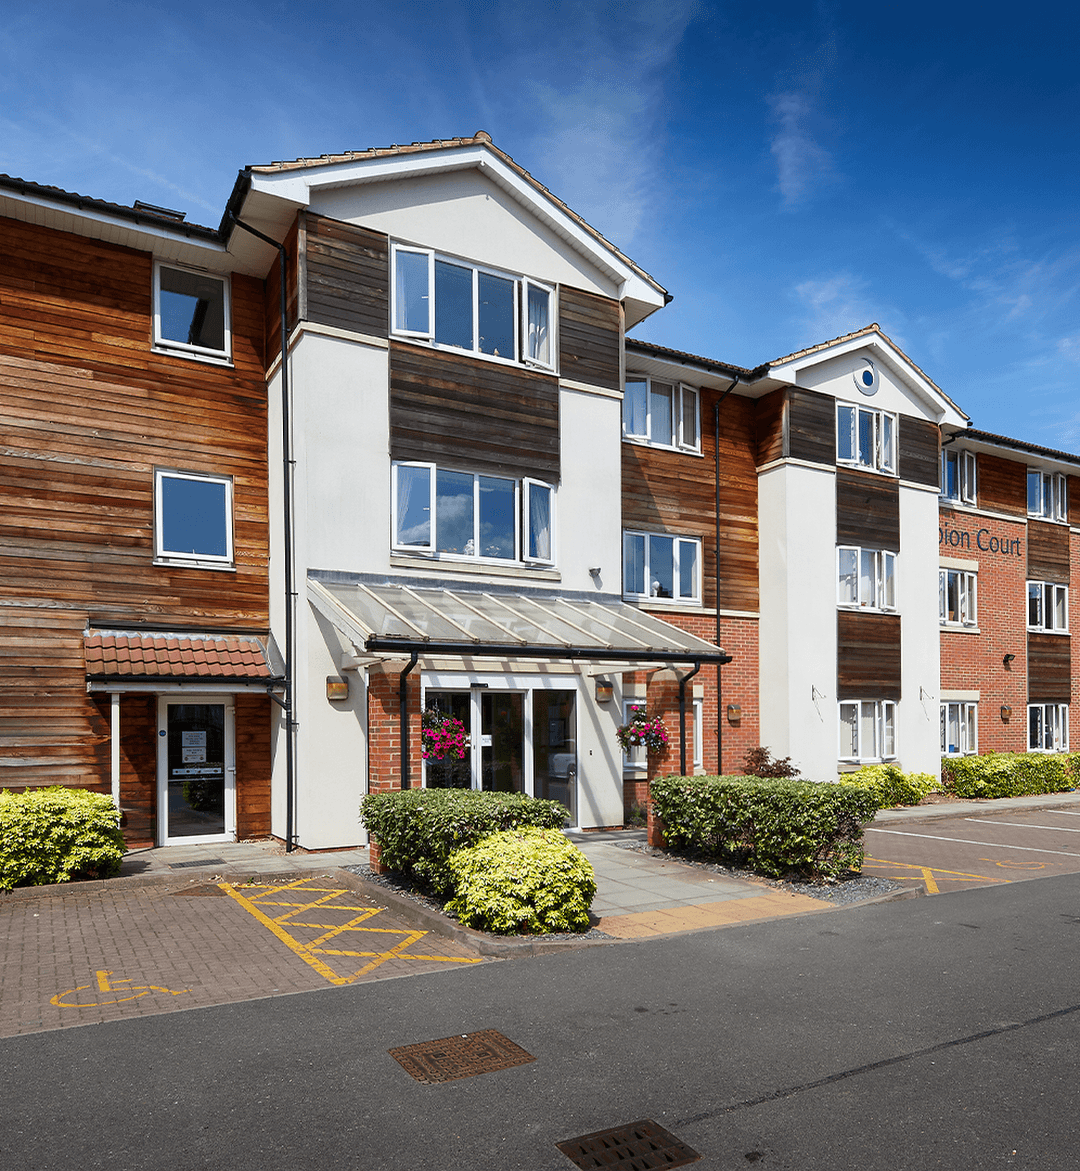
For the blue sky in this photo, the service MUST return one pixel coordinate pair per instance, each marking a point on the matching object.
(788, 171)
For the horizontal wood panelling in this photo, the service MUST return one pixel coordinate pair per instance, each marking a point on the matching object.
(867, 510)
(1002, 485)
(1047, 551)
(346, 275)
(138, 767)
(1072, 493)
(253, 716)
(1049, 671)
(811, 427)
(590, 338)
(770, 413)
(272, 300)
(919, 451)
(868, 655)
(474, 415)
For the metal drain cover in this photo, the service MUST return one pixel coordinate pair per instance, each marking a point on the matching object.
(463, 1056)
(641, 1146)
(197, 862)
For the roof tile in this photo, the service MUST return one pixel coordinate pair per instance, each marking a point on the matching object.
(126, 654)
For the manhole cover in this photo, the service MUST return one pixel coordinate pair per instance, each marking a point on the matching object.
(462, 1056)
(197, 862)
(640, 1146)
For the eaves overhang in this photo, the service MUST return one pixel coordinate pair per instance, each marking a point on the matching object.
(973, 439)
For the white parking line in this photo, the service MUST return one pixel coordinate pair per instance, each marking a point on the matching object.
(1058, 829)
(965, 842)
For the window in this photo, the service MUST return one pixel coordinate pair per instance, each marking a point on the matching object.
(958, 475)
(636, 760)
(462, 306)
(1048, 607)
(193, 518)
(466, 514)
(866, 438)
(656, 566)
(865, 578)
(1046, 495)
(191, 313)
(661, 413)
(957, 598)
(695, 733)
(959, 729)
(867, 730)
(1048, 727)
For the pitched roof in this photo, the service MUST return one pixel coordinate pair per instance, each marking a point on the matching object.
(650, 348)
(972, 433)
(165, 655)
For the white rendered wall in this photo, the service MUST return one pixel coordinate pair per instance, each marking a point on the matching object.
(834, 376)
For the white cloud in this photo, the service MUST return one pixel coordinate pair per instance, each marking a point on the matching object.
(803, 166)
(841, 303)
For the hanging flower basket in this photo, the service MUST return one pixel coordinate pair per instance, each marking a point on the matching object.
(442, 737)
(642, 731)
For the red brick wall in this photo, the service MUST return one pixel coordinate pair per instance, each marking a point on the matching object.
(384, 736)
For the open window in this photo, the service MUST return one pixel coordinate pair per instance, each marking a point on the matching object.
(663, 414)
(866, 438)
(865, 578)
(867, 730)
(191, 313)
(958, 476)
(656, 565)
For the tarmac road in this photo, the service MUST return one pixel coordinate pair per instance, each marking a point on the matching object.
(931, 1032)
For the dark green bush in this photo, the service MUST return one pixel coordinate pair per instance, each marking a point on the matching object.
(528, 881)
(418, 829)
(891, 785)
(55, 835)
(1010, 774)
(772, 826)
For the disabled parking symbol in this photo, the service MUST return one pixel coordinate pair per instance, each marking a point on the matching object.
(91, 995)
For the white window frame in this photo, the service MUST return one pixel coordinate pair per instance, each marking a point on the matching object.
(528, 487)
(1053, 726)
(1048, 594)
(882, 712)
(1050, 495)
(635, 760)
(679, 390)
(185, 349)
(171, 556)
(698, 735)
(676, 539)
(882, 560)
(965, 478)
(967, 587)
(967, 723)
(528, 358)
(884, 429)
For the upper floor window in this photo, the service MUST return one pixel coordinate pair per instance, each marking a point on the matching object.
(465, 514)
(958, 475)
(1048, 727)
(867, 730)
(957, 598)
(464, 306)
(865, 578)
(191, 312)
(1048, 606)
(193, 518)
(959, 729)
(866, 438)
(1046, 495)
(659, 566)
(661, 413)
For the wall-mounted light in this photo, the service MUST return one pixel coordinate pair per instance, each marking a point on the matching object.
(1006, 711)
(337, 688)
(1007, 660)
(734, 713)
(605, 691)
(595, 570)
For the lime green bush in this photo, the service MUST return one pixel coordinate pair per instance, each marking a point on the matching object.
(55, 835)
(1010, 774)
(890, 785)
(522, 881)
(772, 826)
(418, 829)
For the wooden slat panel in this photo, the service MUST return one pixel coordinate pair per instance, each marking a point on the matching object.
(1072, 493)
(868, 655)
(253, 717)
(346, 275)
(919, 451)
(272, 303)
(590, 338)
(1047, 551)
(770, 415)
(1049, 669)
(1002, 485)
(867, 510)
(811, 427)
(470, 414)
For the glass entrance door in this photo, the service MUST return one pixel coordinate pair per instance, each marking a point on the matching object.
(502, 741)
(196, 772)
(554, 744)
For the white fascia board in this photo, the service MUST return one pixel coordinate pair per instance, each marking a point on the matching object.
(340, 617)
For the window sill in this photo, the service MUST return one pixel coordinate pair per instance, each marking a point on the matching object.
(495, 359)
(866, 609)
(474, 567)
(673, 604)
(1052, 520)
(857, 467)
(1043, 630)
(639, 441)
(193, 563)
(958, 628)
(206, 359)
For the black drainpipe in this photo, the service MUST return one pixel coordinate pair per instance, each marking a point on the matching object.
(719, 669)
(403, 718)
(683, 680)
(286, 456)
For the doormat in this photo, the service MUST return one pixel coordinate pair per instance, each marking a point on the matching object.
(640, 1146)
(466, 1055)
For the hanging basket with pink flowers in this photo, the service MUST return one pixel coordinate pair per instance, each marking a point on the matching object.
(642, 731)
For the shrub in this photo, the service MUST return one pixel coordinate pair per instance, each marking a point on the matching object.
(55, 835)
(772, 826)
(890, 785)
(418, 829)
(522, 881)
(760, 762)
(1010, 774)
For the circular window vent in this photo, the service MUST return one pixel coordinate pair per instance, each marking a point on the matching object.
(866, 377)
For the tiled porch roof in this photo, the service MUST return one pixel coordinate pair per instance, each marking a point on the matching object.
(117, 654)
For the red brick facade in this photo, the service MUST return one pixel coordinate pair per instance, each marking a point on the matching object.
(384, 730)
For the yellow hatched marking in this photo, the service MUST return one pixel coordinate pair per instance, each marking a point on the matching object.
(927, 873)
(310, 951)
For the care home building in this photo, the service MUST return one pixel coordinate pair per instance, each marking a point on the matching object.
(230, 584)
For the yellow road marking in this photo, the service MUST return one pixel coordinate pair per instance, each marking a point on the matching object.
(104, 984)
(927, 873)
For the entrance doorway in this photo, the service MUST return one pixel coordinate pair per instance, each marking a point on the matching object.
(196, 770)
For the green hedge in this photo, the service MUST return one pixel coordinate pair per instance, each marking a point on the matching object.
(772, 826)
(55, 835)
(522, 881)
(1010, 774)
(418, 829)
(890, 785)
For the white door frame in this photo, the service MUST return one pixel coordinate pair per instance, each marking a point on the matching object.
(163, 704)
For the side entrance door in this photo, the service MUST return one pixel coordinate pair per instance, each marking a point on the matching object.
(196, 770)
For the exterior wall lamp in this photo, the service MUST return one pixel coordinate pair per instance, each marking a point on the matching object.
(337, 688)
(605, 691)
(1006, 662)
(1006, 711)
(734, 713)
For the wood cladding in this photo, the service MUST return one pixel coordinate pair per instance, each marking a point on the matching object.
(919, 448)
(463, 412)
(770, 415)
(1049, 672)
(1047, 551)
(590, 338)
(345, 275)
(1072, 497)
(674, 492)
(868, 655)
(1002, 484)
(811, 427)
(867, 510)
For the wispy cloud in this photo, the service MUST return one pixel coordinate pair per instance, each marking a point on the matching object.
(843, 302)
(803, 166)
